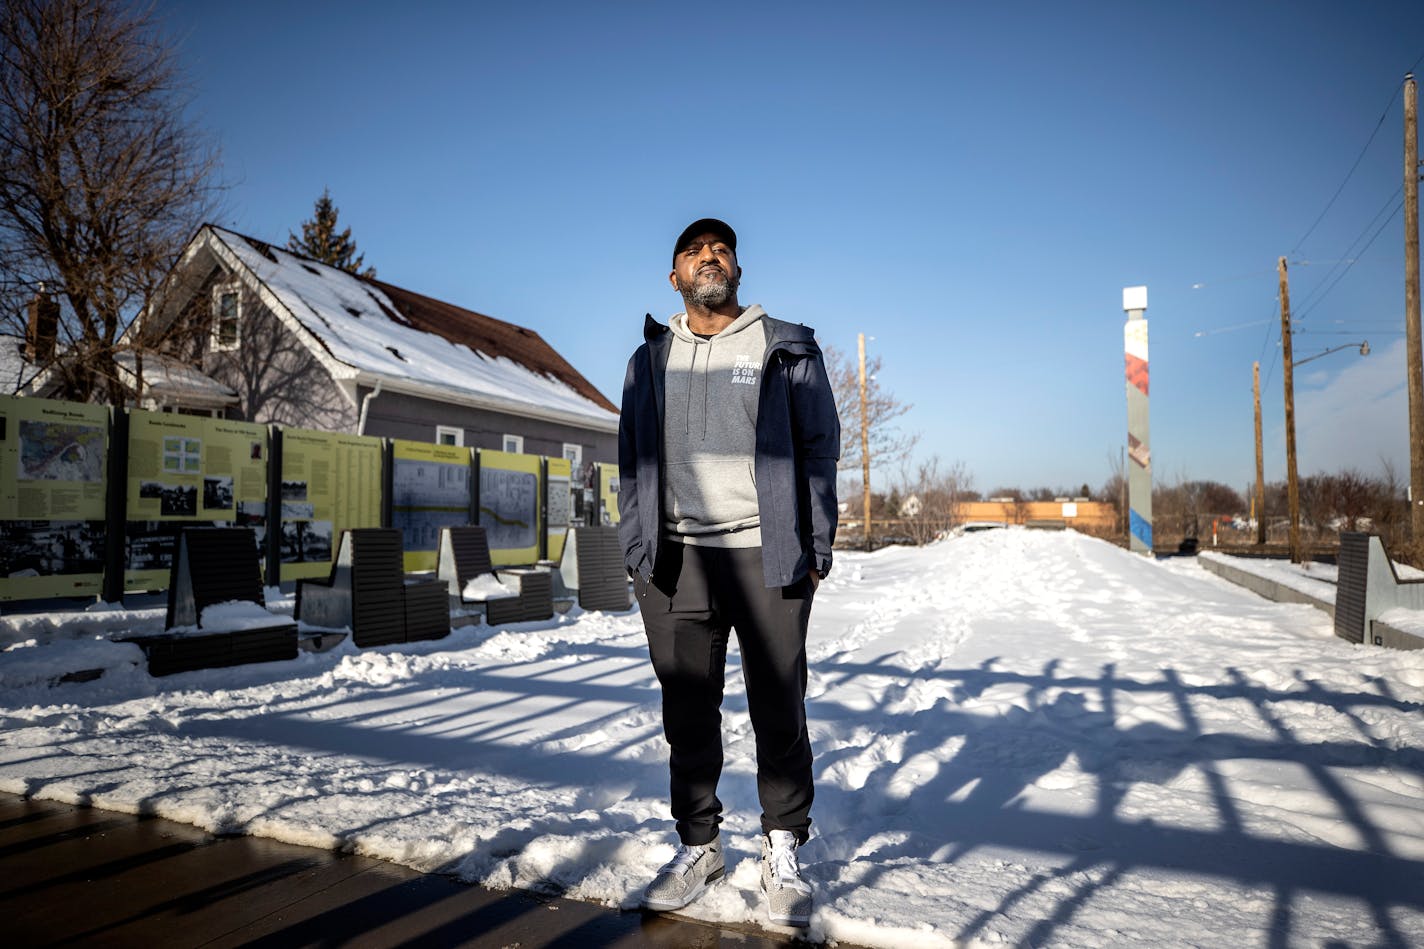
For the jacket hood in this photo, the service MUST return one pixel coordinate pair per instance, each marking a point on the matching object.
(796, 335)
(749, 316)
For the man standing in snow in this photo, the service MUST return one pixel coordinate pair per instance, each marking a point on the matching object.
(727, 450)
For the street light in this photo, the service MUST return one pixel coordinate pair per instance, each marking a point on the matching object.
(1364, 349)
(1293, 494)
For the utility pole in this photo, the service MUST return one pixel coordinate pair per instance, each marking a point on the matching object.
(864, 443)
(1414, 354)
(1288, 371)
(1260, 458)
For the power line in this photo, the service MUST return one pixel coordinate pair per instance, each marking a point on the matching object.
(1228, 329)
(1369, 141)
(1377, 233)
(1356, 332)
(1272, 326)
(1348, 260)
(1202, 284)
(1265, 343)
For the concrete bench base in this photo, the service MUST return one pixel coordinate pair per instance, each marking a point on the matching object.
(171, 653)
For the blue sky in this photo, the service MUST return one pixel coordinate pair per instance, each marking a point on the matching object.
(971, 184)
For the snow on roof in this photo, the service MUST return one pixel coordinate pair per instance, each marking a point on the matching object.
(15, 371)
(168, 379)
(396, 335)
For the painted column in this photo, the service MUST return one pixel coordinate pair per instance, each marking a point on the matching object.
(1139, 442)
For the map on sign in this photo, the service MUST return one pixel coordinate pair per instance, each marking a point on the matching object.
(509, 507)
(60, 451)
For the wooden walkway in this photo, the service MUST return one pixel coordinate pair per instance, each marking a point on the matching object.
(77, 876)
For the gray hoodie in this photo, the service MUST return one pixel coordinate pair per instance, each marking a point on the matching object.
(709, 432)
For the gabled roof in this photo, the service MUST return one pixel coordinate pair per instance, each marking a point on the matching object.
(372, 331)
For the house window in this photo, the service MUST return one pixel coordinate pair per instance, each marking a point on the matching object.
(574, 453)
(445, 435)
(227, 313)
(514, 444)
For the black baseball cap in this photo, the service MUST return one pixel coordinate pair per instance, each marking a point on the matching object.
(708, 225)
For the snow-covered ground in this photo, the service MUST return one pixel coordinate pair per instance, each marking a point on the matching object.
(1025, 738)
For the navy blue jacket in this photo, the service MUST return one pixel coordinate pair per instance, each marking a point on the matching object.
(798, 442)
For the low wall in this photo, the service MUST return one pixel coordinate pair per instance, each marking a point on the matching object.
(1386, 635)
(1264, 586)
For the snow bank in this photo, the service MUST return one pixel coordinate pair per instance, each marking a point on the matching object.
(27, 664)
(1021, 738)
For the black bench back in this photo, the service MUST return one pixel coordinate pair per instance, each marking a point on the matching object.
(602, 574)
(377, 586)
(212, 565)
(469, 545)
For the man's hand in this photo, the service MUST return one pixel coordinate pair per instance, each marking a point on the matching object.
(815, 579)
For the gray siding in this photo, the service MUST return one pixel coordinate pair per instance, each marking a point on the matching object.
(397, 415)
(278, 380)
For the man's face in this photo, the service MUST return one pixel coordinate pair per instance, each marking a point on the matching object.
(705, 272)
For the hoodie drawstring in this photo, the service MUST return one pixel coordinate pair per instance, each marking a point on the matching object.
(691, 371)
(687, 422)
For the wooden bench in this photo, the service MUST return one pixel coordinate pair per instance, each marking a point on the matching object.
(465, 556)
(592, 569)
(213, 566)
(369, 592)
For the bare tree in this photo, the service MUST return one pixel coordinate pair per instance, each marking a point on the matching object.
(276, 378)
(889, 445)
(1114, 490)
(102, 180)
(1389, 511)
(931, 498)
(1353, 495)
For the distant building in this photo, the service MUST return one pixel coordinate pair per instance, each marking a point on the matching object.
(1095, 516)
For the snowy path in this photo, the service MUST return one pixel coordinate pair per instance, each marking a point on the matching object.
(1021, 738)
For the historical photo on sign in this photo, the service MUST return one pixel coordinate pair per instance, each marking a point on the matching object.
(294, 490)
(60, 451)
(253, 514)
(151, 489)
(217, 493)
(509, 508)
(306, 541)
(51, 548)
(298, 510)
(561, 505)
(150, 544)
(182, 455)
(179, 501)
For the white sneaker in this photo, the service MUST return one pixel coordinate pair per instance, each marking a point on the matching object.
(683, 878)
(788, 897)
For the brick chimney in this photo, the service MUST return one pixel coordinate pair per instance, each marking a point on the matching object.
(43, 328)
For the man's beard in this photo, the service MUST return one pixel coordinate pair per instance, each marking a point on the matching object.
(709, 294)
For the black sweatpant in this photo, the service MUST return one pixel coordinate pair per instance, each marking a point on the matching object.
(697, 596)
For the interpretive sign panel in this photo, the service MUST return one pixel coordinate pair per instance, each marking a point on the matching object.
(559, 502)
(607, 493)
(53, 464)
(509, 506)
(184, 470)
(430, 489)
(330, 483)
